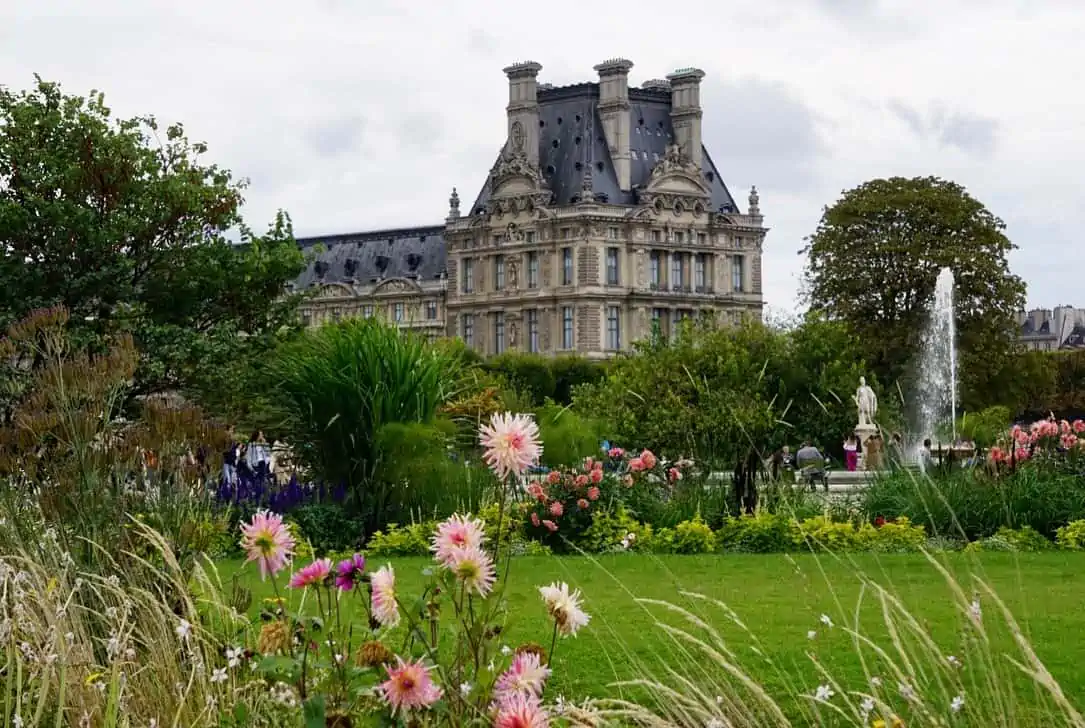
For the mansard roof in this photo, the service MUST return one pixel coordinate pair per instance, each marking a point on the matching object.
(571, 137)
(367, 257)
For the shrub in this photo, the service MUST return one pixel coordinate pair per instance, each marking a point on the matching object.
(693, 537)
(821, 532)
(569, 437)
(410, 540)
(1072, 536)
(328, 527)
(610, 531)
(1009, 539)
(899, 536)
(761, 534)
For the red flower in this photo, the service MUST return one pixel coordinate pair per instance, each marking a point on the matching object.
(879, 521)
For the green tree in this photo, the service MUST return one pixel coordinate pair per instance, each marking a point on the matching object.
(873, 261)
(120, 222)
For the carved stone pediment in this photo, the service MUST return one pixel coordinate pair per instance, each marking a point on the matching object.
(513, 175)
(333, 291)
(676, 174)
(394, 286)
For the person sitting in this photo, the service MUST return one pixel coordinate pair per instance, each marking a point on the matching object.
(811, 463)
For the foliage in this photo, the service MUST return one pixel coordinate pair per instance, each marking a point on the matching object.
(1011, 539)
(984, 428)
(338, 385)
(873, 261)
(545, 379)
(396, 540)
(1071, 536)
(760, 534)
(569, 436)
(121, 223)
(328, 527)
(615, 530)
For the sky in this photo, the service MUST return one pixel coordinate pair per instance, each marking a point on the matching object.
(361, 114)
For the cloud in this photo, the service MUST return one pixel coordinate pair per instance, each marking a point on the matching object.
(336, 136)
(970, 133)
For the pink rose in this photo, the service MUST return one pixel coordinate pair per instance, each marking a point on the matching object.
(554, 477)
(615, 452)
(556, 509)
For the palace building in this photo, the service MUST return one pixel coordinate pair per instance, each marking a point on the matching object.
(602, 220)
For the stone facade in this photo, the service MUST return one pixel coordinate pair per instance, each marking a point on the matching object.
(1045, 329)
(602, 219)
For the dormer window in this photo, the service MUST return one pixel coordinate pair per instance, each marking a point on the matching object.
(320, 267)
(350, 266)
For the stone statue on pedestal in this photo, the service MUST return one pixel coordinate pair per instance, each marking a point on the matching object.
(867, 402)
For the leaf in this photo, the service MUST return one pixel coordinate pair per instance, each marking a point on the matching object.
(314, 712)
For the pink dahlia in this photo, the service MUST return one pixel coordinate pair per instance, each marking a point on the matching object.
(525, 676)
(553, 477)
(583, 504)
(385, 608)
(581, 481)
(593, 493)
(535, 520)
(615, 452)
(521, 711)
(556, 509)
(1079, 426)
(550, 525)
(349, 572)
(636, 465)
(474, 568)
(589, 463)
(312, 575)
(996, 454)
(511, 444)
(457, 533)
(674, 474)
(536, 491)
(268, 542)
(596, 476)
(409, 686)
(649, 459)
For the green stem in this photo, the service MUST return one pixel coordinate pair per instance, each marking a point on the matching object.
(553, 644)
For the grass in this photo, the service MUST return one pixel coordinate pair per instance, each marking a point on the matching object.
(780, 599)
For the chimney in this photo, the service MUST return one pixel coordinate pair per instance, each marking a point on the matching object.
(686, 111)
(523, 111)
(614, 113)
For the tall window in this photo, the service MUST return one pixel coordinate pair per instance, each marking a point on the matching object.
(468, 275)
(702, 238)
(529, 236)
(699, 272)
(499, 332)
(657, 236)
(566, 266)
(469, 329)
(398, 311)
(654, 266)
(738, 282)
(533, 331)
(612, 233)
(676, 270)
(614, 328)
(367, 310)
(567, 327)
(533, 270)
(431, 310)
(659, 321)
(565, 233)
(612, 266)
(679, 236)
(499, 272)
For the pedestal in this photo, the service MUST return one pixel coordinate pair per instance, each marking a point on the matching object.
(864, 433)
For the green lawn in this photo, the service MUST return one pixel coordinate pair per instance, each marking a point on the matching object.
(780, 598)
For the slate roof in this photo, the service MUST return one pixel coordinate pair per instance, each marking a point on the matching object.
(417, 253)
(571, 136)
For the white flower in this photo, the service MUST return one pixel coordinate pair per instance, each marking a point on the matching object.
(559, 705)
(876, 682)
(719, 700)
(338, 659)
(233, 656)
(957, 704)
(506, 650)
(184, 629)
(826, 621)
(113, 647)
(906, 691)
(867, 706)
(811, 635)
(111, 612)
(130, 654)
(974, 609)
(953, 661)
(714, 723)
(114, 580)
(153, 723)
(219, 675)
(465, 689)
(564, 608)
(18, 721)
(824, 693)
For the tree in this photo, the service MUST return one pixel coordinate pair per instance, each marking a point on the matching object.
(873, 262)
(128, 231)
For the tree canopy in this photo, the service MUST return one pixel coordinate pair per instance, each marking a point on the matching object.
(874, 259)
(124, 225)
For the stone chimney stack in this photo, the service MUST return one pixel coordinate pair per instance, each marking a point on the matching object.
(614, 113)
(686, 111)
(523, 111)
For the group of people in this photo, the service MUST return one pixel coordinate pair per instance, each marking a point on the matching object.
(253, 457)
(811, 463)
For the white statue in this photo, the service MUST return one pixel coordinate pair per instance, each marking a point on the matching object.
(867, 402)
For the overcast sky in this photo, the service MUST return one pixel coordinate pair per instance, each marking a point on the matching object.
(360, 114)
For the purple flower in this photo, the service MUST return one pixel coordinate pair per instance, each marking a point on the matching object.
(349, 571)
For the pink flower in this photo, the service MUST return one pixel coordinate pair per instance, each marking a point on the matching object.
(581, 481)
(583, 504)
(535, 520)
(556, 509)
(1068, 440)
(550, 525)
(1079, 426)
(593, 493)
(457, 533)
(349, 571)
(1064, 427)
(384, 606)
(674, 474)
(615, 452)
(589, 463)
(511, 443)
(536, 491)
(409, 686)
(521, 711)
(1021, 453)
(648, 459)
(525, 676)
(996, 454)
(597, 476)
(554, 477)
(636, 465)
(312, 575)
(474, 568)
(268, 542)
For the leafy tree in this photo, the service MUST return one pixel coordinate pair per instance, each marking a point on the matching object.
(874, 259)
(120, 222)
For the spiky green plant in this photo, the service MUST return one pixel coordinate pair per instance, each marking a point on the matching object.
(338, 385)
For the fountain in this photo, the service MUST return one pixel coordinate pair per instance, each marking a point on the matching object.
(936, 396)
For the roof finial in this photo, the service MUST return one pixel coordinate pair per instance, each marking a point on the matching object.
(755, 199)
(454, 204)
(586, 185)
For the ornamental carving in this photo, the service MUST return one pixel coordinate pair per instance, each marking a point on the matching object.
(397, 285)
(513, 166)
(517, 136)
